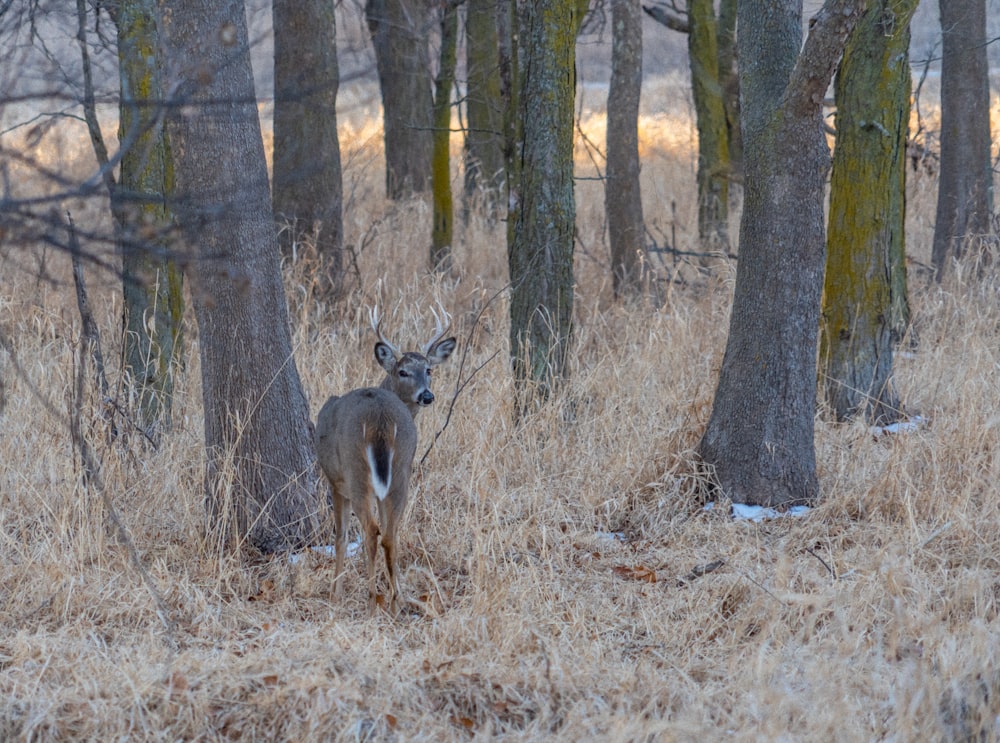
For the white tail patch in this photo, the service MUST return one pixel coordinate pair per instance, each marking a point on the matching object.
(380, 486)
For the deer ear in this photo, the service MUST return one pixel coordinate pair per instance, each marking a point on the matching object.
(441, 350)
(385, 356)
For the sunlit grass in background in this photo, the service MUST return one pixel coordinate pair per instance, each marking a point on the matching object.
(858, 621)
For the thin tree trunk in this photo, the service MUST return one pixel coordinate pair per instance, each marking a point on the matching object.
(710, 114)
(865, 307)
(153, 301)
(443, 204)
(622, 194)
(308, 188)
(261, 462)
(965, 187)
(404, 72)
(484, 159)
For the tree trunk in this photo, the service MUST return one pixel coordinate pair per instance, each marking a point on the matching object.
(622, 195)
(965, 188)
(865, 307)
(484, 160)
(729, 80)
(153, 301)
(261, 461)
(710, 115)
(308, 190)
(759, 441)
(542, 209)
(404, 73)
(443, 205)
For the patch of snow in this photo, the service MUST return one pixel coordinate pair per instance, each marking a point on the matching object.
(906, 426)
(611, 536)
(326, 550)
(743, 512)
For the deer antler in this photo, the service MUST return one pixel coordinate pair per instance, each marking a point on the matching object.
(442, 325)
(376, 320)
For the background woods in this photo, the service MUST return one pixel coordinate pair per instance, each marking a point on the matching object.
(200, 200)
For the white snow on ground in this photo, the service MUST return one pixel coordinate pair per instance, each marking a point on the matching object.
(743, 512)
(907, 426)
(327, 550)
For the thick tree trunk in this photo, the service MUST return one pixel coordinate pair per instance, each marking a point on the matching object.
(542, 209)
(261, 461)
(443, 204)
(484, 159)
(759, 440)
(865, 307)
(308, 190)
(404, 72)
(710, 114)
(153, 300)
(622, 195)
(965, 187)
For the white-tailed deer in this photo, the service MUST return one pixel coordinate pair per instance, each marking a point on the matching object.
(365, 442)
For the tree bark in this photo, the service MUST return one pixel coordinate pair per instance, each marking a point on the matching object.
(308, 188)
(542, 212)
(152, 287)
(965, 187)
(260, 476)
(443, 204)
(404, 72)
(484, 159)
(865, 306)
(758, 444)
(622, 194)
(710, 115)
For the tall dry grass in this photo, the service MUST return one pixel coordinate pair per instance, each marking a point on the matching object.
(545, 563)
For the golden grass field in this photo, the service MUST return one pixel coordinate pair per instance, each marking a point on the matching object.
(544, 564)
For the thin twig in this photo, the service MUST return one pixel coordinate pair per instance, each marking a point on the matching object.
(461, 384)
(823, 563)
(698, 571)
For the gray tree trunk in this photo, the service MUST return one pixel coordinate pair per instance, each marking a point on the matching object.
(260, 476)
(542, 212)
(403, 59)
(308, 189)
(484, 158)
(622, 193)
(965, 187)
(759, 441)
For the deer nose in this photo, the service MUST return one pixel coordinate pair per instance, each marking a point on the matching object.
(426, 397)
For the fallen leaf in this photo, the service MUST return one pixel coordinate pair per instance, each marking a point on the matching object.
(635, 572)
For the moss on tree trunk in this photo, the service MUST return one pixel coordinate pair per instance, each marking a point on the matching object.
(865, 307)
(153, 301)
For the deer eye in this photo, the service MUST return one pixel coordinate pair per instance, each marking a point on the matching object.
(428, 371)
(404, 373)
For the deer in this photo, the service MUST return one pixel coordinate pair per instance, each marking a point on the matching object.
(365, 444)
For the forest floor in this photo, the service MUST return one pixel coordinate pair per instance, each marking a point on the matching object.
(563, 577)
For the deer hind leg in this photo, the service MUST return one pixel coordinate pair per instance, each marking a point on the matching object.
(341, 515)
(389, 513)
(370, 533)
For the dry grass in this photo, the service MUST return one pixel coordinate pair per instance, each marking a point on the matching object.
(867, 619)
